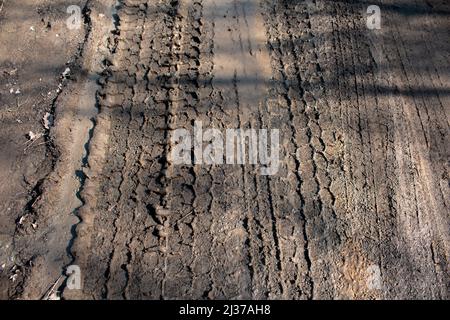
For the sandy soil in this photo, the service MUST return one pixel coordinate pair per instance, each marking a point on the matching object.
(359, 208)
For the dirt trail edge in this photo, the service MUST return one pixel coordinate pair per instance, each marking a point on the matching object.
(55, 211)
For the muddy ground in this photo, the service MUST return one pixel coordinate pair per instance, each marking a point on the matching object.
(359, 206)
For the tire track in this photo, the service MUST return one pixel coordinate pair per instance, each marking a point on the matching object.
(359, 157)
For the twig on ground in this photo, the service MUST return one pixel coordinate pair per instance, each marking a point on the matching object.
(37, 145)
(184, 217)
(32, 142)
(18, 105)
(52, 289)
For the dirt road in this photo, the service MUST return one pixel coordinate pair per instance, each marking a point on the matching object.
(358, 207)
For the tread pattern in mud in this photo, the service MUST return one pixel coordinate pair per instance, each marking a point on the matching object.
(348, 195)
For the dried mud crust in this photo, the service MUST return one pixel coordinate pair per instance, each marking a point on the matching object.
(364, 174)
